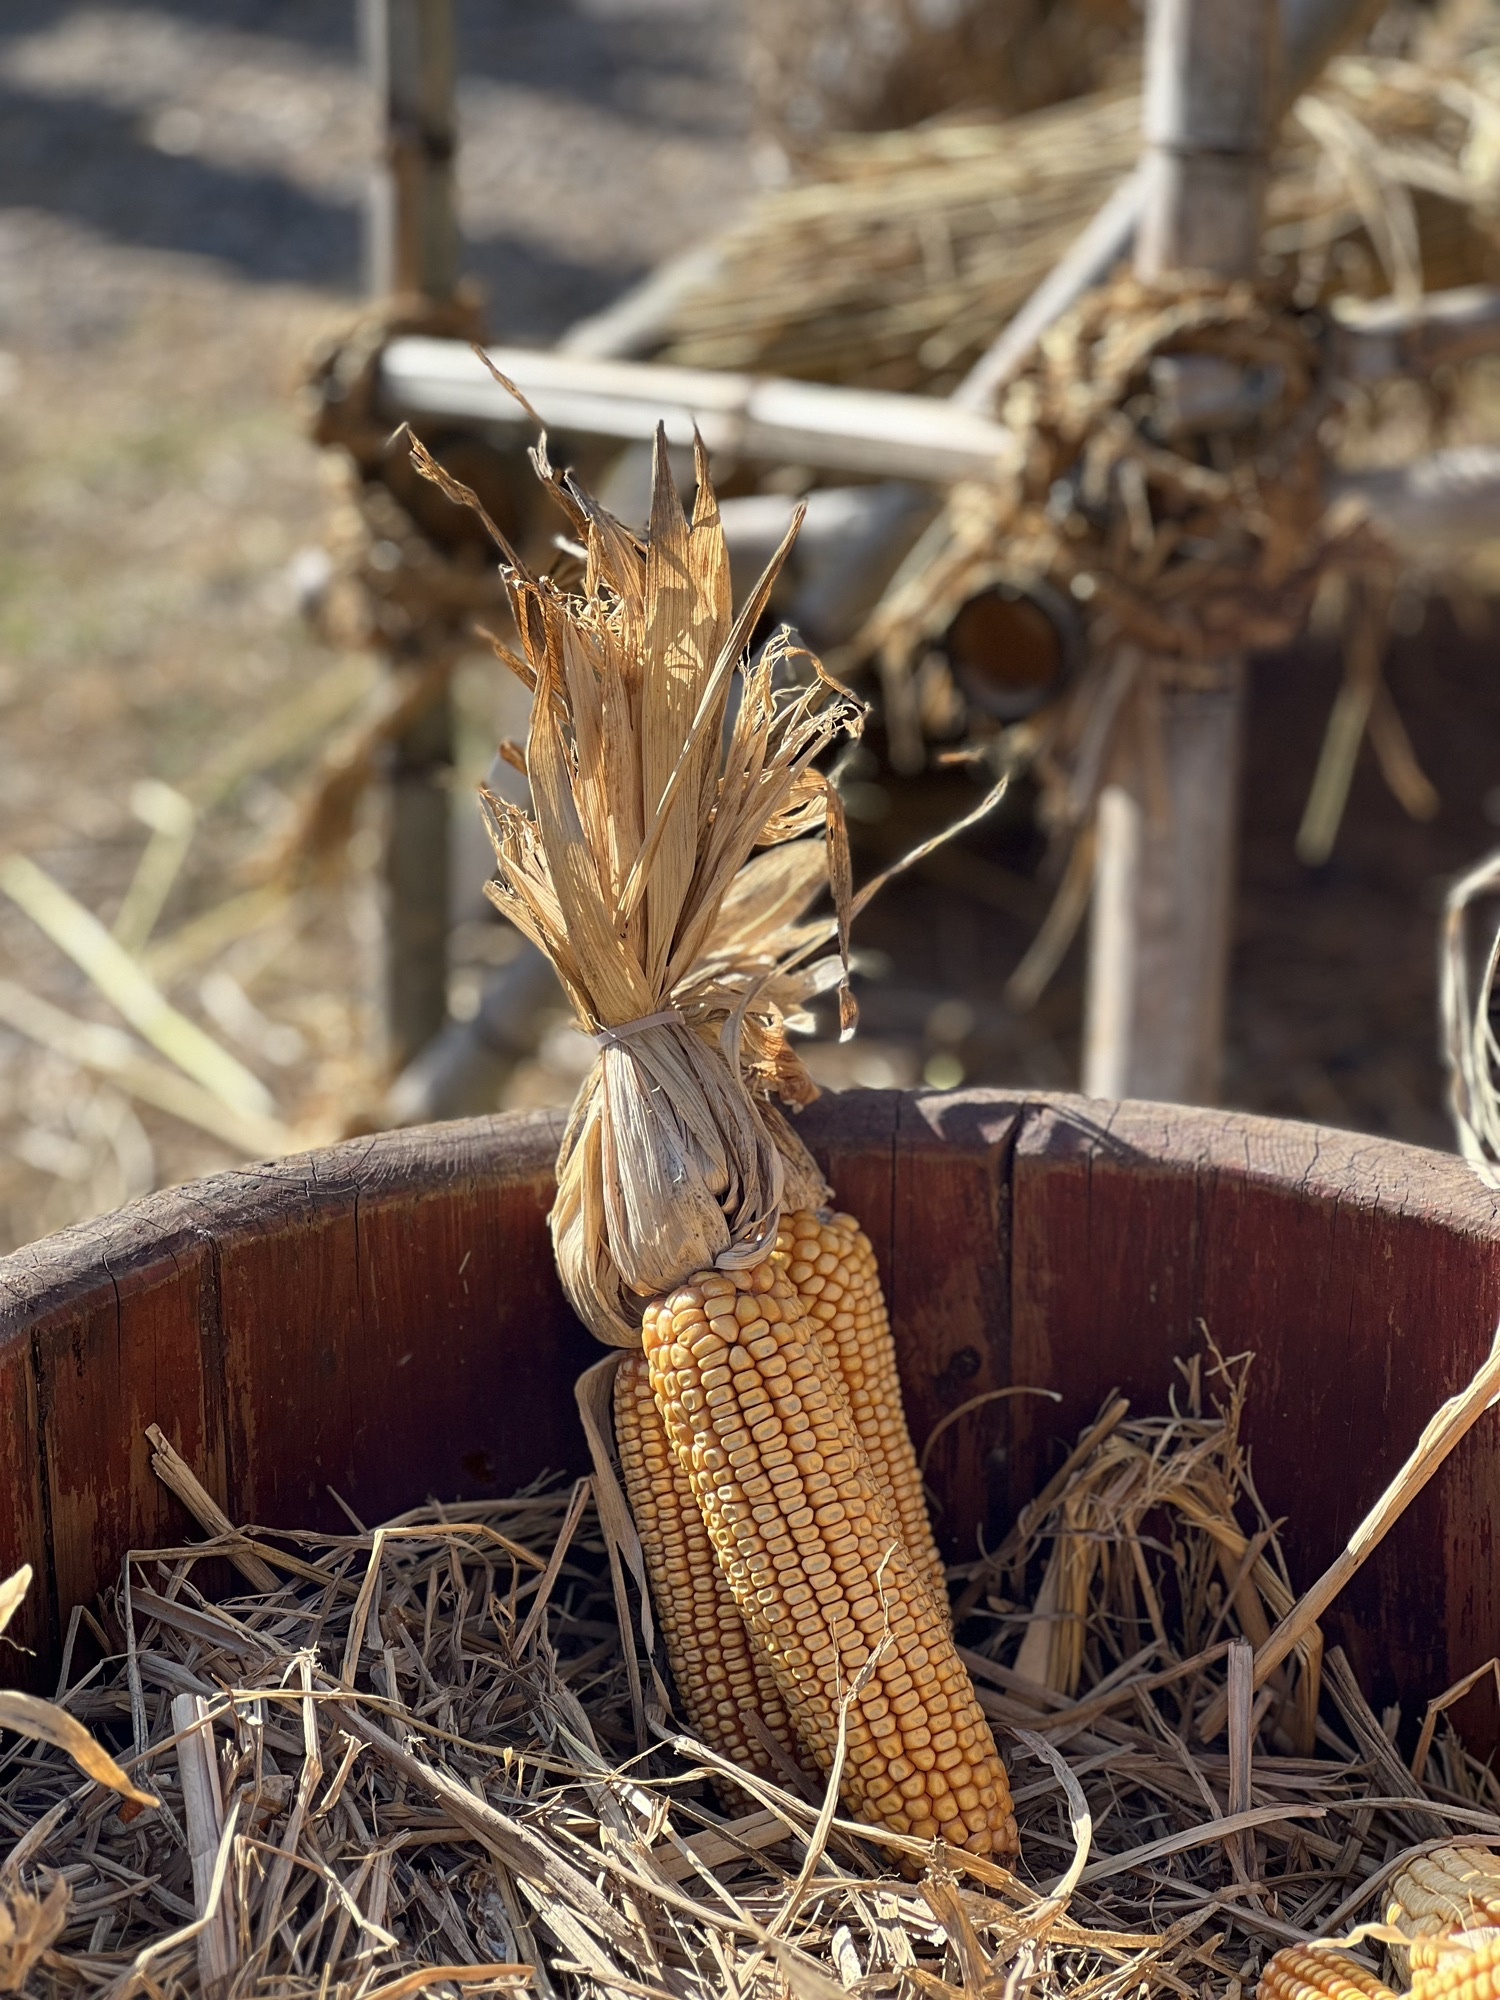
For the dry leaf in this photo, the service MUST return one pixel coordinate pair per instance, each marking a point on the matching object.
(12, 1591)
(28, 1927)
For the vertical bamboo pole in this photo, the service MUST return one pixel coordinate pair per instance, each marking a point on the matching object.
(412, 252)
(1159, 950)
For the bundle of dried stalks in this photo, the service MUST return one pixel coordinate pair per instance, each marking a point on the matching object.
(899, 257)
(1179, 551)
(406, 1758)
(660, 758)
(824, 66)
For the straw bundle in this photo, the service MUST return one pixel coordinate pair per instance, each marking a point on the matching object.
(900, 256)
(1177, 556)
(821, 66)
(648, 800)
(428, 1776)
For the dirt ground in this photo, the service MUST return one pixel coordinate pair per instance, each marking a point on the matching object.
(181, 188)
(180, 222)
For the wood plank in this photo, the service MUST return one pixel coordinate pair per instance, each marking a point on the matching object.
(1365, 1279)
(469, 1351)
(111, 1357)
(32, 1637)
(393, 1324)
(949, 1287)
(852, 1135)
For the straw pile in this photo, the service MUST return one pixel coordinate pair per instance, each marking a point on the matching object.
(425, 1772)
(821, 66)
(900, 256)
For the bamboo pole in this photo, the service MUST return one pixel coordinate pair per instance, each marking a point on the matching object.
(865, 431)
(1311, 32)
(413, 252)
(412, 247)
(1164, 871)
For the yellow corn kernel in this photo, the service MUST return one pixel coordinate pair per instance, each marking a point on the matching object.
(760, 1421)
(719, 1676)
(1319, 1972)
(831, 1264)
(1455, 1888)
(1461, 1966)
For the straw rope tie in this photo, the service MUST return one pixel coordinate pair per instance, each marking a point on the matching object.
(618, 1036)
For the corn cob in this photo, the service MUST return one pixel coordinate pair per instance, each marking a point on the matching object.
(832, 1267)
(713, 1659)
(646, 819)
(1456, 1967)
(720, 1676)
(1319, 1972)
(815, 1560)
(1455, 1888)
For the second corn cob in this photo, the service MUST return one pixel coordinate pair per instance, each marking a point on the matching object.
(1319, 1972)
(721, 1677)
(1456, 1967)
(1455, 1888)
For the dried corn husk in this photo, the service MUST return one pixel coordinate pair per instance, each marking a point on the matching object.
(636, 872)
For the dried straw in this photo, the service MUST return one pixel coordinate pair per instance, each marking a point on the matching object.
(425, 1769)
(898, 256)
(1470, 1048)
(820, 66)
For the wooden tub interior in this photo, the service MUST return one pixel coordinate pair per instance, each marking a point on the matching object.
(382, 1319)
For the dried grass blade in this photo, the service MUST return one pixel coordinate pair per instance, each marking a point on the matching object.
(1207, 1835)
(484, 1974)
(582, 1493)
(178, 1477)
(1081, 1824)
(517, 1846)
(78, 933)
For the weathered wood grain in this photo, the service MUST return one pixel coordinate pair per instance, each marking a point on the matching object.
(121, 1336)
(383, 1318)
(1364, 1277)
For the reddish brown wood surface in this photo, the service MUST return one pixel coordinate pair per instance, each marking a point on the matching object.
(1365, 1279)
(383, 1319)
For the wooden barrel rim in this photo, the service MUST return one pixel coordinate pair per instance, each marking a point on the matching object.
(382, 1317)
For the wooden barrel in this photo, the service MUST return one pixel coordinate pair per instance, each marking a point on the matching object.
(382, 1320)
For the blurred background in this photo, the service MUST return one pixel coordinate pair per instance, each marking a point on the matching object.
(189, 769)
